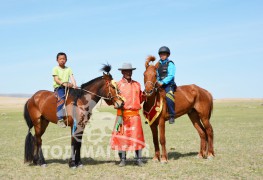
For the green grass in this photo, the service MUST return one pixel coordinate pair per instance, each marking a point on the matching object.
(238, 142)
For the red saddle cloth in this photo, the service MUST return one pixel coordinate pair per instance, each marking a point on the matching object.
(154, 112)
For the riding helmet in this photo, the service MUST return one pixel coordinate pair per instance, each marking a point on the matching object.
(164, 49)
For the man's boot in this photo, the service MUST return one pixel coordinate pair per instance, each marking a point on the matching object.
(122, 155)
(122, 163)
(171, 120)
(138, 154)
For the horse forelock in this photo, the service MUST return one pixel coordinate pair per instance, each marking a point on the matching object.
(106, 68)
(148, 60)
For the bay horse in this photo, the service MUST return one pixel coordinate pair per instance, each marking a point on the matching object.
(192, 100)
(40, 109)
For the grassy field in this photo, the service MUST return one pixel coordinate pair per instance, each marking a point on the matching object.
(238, 131)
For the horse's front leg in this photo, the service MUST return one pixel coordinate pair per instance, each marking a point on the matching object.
(77, 130)
(77, 148)
(76, 140)
(154, 128)
(164, 158)
(72, 159)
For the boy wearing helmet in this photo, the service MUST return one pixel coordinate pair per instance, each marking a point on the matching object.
(165, 77)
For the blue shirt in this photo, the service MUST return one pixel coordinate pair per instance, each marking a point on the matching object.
(170, 73)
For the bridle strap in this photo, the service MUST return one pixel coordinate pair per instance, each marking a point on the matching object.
(153, 85)
(107, 98)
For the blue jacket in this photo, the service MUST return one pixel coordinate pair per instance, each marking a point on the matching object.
(170, 74)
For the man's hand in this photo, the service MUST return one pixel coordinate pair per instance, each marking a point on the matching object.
(144, 97)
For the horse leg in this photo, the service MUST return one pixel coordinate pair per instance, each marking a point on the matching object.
(76, 141)
(210, 135)
(201, 131)
(78, 147)
(162, 140)
(39, 131)
(154, 128)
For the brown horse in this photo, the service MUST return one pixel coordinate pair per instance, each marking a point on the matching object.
(189, 99)
(40, 109)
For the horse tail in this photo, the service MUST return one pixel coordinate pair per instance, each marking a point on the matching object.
(29, 142)
(206, 96)
(27, 117)
(211, 106)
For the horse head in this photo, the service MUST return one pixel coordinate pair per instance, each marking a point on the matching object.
(110, 89)
(150, 76)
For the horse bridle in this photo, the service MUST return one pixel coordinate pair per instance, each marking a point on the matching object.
(112, 83)
(109, 97)
(154, 89)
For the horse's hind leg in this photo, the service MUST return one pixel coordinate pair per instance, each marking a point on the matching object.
(40, 128)
(193, 115)
(210, 135)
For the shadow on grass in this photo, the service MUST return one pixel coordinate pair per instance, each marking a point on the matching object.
(91, 161)
(177, 155)
(57, 161)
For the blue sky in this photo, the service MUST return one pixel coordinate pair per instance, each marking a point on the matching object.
(216, 44)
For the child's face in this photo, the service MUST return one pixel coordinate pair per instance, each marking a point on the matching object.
(61, 60)
(164, 56)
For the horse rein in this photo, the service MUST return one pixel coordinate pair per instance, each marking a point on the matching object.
(109, 97)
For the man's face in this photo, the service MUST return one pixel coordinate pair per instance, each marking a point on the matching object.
(61, 60)
(164, 56)
(127, 74)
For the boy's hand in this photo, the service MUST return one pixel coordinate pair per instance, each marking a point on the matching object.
(67, 84)
(159, 84)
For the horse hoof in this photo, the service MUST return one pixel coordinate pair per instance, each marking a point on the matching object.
(43, 165)
(155, 160)
(199, 156)
(80, 166)
(73, 167)
(164, 161)
(210, 157)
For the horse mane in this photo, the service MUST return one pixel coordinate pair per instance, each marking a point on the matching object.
(106, 68)
(90, 82)
(148, 60)
(77, 93)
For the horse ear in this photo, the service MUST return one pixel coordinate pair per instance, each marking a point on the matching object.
(104, 75)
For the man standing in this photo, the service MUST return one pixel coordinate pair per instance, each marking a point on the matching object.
(128, 133)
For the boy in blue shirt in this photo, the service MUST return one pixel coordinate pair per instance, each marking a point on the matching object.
(165, 78)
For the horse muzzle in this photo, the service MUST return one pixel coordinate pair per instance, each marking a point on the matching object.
(148, 93)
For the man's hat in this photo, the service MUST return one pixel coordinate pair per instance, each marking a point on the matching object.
(126, 66)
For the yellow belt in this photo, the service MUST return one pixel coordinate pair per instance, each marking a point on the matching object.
(127, 112)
